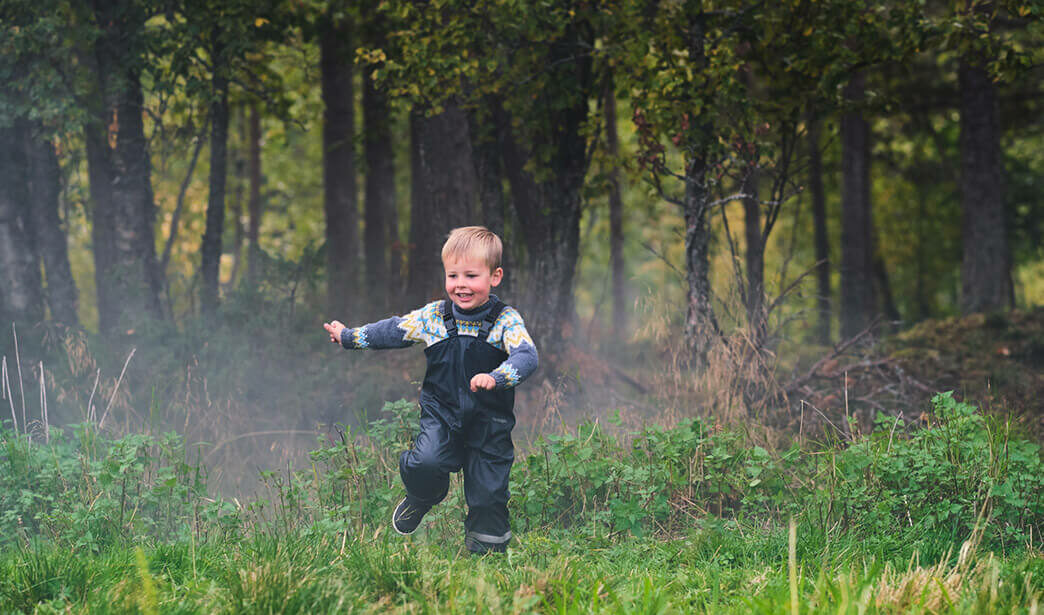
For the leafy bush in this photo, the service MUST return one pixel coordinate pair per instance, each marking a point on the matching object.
(934, 483)
(940, 478)
(88, 491)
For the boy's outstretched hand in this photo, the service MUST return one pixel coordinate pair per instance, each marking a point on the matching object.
(334, 328)
(482, 381)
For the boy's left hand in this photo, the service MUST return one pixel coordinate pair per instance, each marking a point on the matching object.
(482, 381)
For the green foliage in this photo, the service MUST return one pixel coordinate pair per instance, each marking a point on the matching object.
(941, 479)
(700, 512)
(87, 491)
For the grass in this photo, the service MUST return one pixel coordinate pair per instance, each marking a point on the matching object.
(943, 518)
(713, 569)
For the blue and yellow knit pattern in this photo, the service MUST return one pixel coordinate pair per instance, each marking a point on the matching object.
(426, 326)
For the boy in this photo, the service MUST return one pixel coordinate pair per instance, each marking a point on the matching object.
(478, 350)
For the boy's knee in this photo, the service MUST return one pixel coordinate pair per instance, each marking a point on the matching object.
(425, 461)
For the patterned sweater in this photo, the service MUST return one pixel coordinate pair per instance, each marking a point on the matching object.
(426, 325)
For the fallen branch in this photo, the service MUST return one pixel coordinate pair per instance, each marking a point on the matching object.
(838, 351)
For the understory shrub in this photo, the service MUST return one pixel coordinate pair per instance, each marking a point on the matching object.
(962, 470)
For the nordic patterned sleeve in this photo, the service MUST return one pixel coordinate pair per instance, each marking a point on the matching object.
(421, 325)
(510, 331)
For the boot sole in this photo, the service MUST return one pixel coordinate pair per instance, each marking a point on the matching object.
(400, 533)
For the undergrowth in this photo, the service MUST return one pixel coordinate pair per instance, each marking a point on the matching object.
(664, 520)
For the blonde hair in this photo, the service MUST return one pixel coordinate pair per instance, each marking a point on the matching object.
(477, 241)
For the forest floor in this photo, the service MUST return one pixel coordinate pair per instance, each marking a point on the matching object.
(919, 502)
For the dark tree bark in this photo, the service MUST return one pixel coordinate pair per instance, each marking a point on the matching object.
(236, 205)
(489, 172)
(339, 186)
(701, 326)
(755, 260)
(549, 214)
(858, 305)
(443, 194)
(548, 207)
(44, 190)
(396, 261)
(21, 297)
(616, 261)
(254, 202)
(210, 267)
(128, 276)
(135, 212)
(986, 265)
(102, 214)
(380, 194)
(819, 226)
(883, 289)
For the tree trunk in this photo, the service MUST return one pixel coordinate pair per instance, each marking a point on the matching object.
(99, 175)
(883, 289)
(701, 326)
(858, 305)
(380, 194)
(126, 268)
(616, 236)
(443, 194)
(549, 215)
(21, 298)
(236, 204)
(396, 261)
(548, 204)
(339, 188)
(210, 267)
(489, 172)
(755, 260)
(254, 203)
(132, 194)
(44, 190)
(986, 265)
(819, 225)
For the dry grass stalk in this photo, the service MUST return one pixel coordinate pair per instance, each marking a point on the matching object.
(43, 405)
(91, 415)
(101, 423)
(18, 363)
(935, 588)
(9, 394)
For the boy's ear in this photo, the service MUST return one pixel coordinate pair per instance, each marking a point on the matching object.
(496, 276)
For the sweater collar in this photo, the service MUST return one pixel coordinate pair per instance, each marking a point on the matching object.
(476, 311)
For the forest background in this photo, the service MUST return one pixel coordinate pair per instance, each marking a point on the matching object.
(706, 205)
(782, 261)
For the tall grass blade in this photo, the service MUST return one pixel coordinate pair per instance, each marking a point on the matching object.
(9, 394)
(18, 363)
(91, 414)
(101, 423)
(43, 405)
(792, 566)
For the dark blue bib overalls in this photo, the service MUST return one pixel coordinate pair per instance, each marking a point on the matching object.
(461, 429)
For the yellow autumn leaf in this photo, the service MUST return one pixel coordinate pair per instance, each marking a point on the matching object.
(260, 21)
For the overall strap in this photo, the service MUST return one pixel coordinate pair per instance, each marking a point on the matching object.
(490, 320)
(448, 319)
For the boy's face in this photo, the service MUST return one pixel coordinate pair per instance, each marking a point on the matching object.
(469, 281)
